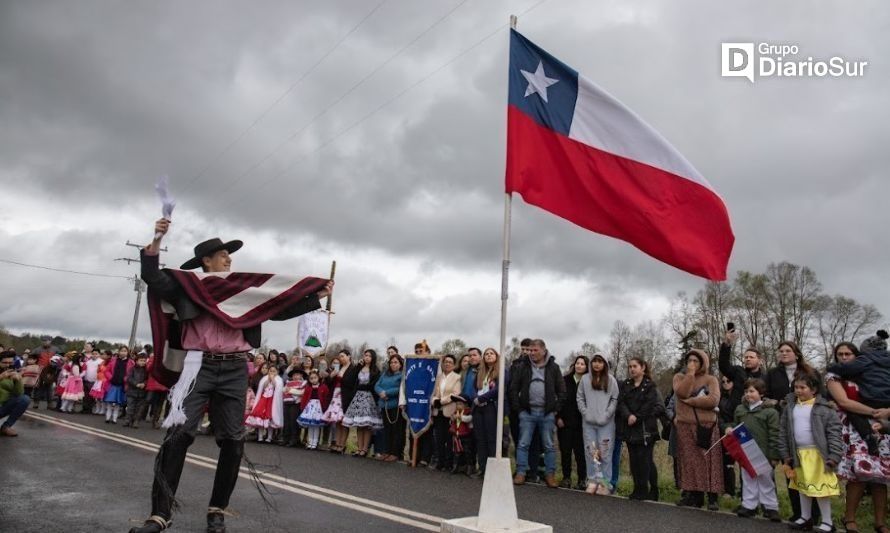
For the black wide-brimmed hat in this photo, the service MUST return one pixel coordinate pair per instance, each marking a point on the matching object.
(208, 248)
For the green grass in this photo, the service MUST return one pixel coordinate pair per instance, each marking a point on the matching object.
(669, 493)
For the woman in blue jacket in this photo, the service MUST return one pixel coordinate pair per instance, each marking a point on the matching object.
(387, 391)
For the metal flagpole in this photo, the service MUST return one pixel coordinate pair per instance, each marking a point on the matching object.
(497, 505)
(505, 276)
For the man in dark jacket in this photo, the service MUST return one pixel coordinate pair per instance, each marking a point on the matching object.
(220, 382)
(751, 368)
(534, 449)
(538, 390)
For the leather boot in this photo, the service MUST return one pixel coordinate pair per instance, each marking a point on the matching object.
(216, 522)
(153, 525)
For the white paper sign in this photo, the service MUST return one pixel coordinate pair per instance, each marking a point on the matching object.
(312, 333)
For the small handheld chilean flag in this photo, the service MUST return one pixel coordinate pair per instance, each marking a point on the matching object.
(577, 152)
(740, 445)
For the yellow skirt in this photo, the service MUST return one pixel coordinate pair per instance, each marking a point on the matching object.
(810, 477)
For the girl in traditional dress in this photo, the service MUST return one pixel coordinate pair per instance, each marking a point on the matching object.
(313, 405)
(334, 413)
(811, 446)
(266, 415)
(100, 387)
(62, 379)
(363, 413)
(73, 391)
(116, 373)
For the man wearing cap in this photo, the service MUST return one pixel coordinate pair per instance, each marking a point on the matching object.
(221, 380)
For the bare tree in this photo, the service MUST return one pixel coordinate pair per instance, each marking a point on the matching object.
(650, 341)
(840, 318)
(512, 349)
(619, 344)
(751, 309)
(713, 305)
(680, 318)
(455, 347)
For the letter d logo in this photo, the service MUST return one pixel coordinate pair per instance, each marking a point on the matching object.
(737, 60)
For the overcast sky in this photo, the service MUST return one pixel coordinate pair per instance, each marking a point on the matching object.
(390, 159)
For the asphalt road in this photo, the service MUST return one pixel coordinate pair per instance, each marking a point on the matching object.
(75, 473)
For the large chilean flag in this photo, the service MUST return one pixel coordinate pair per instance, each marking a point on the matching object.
(577, 152)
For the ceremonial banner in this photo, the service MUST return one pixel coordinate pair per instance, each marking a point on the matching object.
(420, 379)
(312, 331)
(579, 153)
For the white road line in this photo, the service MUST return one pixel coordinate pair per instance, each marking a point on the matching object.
(379, 509)
(275, 477)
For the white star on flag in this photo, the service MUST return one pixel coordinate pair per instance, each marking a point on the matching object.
(538, 82)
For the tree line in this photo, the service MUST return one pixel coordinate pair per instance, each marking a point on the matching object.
(785, 302)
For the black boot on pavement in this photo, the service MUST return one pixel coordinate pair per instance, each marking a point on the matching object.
(216, 522)
(154, 524)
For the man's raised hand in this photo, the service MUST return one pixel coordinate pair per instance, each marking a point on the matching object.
(328, 289)
(162, 225)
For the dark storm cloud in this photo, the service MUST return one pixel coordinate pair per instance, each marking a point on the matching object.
(98, 99)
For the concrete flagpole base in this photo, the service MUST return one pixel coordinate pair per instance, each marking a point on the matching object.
(497, 508)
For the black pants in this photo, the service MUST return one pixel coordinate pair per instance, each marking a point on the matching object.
(642, 468)
(43, 392)
(729, 475)
(222, 384)
(571, 442)
(136, 407)
(88, 401)
(444, 452)
(394, 431)
(425, 446)
(155, 401)
(485, 432)
(513, 417)
(290, 432)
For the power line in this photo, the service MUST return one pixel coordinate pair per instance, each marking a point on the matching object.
(227, 187)
(290, 89)
(355, 124)
(94, 274)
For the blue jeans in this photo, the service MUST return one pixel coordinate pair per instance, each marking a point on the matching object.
(602, 438)
(616, 462)
(14, 407)
(545, 423)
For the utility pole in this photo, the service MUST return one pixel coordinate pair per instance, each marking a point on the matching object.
(138, 286)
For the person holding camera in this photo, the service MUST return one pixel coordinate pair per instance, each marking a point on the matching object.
(13, 401)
